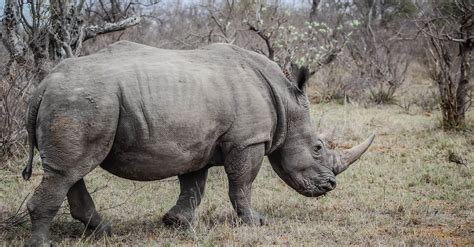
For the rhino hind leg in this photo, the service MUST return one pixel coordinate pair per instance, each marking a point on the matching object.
(70, 145)
(242, 167)
(44, 204)
(55, 186)
(192, 187)
(83, 209)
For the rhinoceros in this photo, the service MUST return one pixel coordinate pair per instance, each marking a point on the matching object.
(144, 113)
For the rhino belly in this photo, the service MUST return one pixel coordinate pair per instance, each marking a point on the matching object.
(154, 162)
(147, 149)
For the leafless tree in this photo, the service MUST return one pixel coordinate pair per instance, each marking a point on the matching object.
(448, 28)
(381, 59)
(44, 32)
(223, 18)
(37, 34)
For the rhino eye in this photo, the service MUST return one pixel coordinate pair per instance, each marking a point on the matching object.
(317, 149)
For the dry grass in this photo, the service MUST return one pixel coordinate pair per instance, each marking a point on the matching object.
(404, 191)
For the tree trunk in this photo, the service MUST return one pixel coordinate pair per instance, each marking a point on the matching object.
(451, 74)
(314, 10)
(462, 97)
(10, 35)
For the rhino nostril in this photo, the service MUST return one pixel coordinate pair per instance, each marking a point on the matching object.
(332, 182)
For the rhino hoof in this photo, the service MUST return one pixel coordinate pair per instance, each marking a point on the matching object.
(102, 231)
(176, 220)
(254, 219)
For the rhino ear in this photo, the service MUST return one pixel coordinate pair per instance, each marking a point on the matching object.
(301, 74)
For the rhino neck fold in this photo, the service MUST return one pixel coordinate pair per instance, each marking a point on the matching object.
(281, 128)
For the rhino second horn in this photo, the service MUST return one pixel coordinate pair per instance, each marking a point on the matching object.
(346, 157)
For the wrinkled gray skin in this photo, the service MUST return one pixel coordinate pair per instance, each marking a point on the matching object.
(144, 114)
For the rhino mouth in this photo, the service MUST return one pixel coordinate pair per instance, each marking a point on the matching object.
(304, 186)
(311, 188)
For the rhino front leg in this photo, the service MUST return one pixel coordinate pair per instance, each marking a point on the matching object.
(192, 190)
(83, 209)
(242, 167)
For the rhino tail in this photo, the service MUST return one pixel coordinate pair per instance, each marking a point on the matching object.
(31, 116)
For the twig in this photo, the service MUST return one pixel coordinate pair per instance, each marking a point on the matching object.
(17, 218)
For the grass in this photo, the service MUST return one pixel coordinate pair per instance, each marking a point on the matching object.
(404, 191)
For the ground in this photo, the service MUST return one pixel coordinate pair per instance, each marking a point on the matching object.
(413, 187)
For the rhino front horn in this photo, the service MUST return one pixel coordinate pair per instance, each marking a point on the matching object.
(346, 157)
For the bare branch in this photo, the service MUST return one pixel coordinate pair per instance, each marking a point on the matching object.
(93, 31)
(460, 40)
(266, 39)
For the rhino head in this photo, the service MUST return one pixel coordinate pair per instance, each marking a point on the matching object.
(303, 160)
